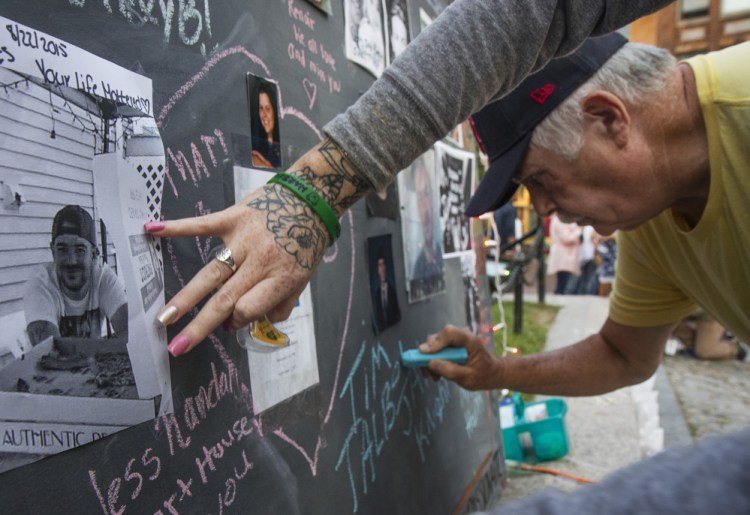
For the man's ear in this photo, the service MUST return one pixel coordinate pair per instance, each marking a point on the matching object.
(607, 111)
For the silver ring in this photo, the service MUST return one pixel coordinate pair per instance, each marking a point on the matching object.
(225, 256)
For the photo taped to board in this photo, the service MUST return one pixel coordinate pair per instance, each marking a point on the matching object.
(456, 171)
(291, 369)
(396, 13)
(383, 286)
(263, 107)
(78, 359)
(365, 38)
(420, 224)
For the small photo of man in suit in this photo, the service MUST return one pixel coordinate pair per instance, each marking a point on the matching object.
(385, 307)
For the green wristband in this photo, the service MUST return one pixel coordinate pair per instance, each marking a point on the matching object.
(312, 199)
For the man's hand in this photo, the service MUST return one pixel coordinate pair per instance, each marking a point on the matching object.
(481, 372)
(276, 241)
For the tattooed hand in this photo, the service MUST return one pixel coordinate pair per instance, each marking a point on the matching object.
(276, 241)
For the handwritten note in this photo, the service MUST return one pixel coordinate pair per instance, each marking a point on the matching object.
(59, 63)
(310, 54)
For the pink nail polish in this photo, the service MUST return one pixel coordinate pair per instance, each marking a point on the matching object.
(178, 346)
(154, 226)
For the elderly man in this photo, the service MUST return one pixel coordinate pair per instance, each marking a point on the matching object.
(73, 294)
(622, 137)
(619, 136)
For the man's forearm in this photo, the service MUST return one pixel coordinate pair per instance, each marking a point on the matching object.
(40, 330)
(589, 367)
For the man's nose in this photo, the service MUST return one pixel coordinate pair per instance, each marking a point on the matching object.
(71, 256)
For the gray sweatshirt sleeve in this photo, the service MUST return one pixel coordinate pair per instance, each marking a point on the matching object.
(476, 50)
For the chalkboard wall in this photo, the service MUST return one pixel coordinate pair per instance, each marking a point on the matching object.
(370, 436)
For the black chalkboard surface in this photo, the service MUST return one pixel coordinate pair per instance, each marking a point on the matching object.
(369, 436)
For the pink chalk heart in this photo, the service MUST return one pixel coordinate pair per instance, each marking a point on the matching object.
(311, 89)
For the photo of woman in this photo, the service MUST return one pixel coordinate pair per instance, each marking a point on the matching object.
(263, 103)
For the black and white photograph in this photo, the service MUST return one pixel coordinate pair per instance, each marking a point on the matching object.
(420, 224)
(263, 105)
(383, 286)
(396, 27)
(456, 172)
(74, 362)
(365, 36)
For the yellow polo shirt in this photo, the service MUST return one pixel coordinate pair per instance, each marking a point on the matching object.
(664, 269)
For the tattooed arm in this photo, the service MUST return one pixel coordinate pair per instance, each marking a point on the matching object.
(276, 240)
(295, 227)
(475, 51)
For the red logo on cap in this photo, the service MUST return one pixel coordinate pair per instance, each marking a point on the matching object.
(542, 94)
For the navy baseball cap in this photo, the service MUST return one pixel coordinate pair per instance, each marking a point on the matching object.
(76, 221)
(504, 127)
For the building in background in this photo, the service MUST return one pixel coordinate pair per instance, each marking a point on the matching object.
(690, 27)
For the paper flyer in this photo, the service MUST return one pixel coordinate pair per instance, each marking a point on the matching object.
(278, 375)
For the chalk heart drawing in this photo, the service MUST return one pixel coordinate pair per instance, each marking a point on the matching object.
(311, 89)
(311, 456)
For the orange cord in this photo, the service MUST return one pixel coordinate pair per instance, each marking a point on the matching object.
(554, 472)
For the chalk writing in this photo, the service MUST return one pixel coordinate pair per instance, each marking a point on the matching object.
(118, 493)
(212, 454)
(196, 167)
(473, 407)
(305, 50)
(197, 408)
(301, 15)
(148, 466)
(193, 24)
(387, 392)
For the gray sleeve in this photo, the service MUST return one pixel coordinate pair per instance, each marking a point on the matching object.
(476, 50)
(710, 477)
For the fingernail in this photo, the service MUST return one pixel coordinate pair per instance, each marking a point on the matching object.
(167, 315)
(178, 346)
(423, 347)
(154, 226)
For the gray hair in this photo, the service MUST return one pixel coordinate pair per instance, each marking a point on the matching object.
(634, 74)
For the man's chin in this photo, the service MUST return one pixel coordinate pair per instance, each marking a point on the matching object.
(73, 282)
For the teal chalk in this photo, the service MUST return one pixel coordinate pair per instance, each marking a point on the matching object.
(414, 358)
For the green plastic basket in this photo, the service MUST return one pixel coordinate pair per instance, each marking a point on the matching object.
(541, 440)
